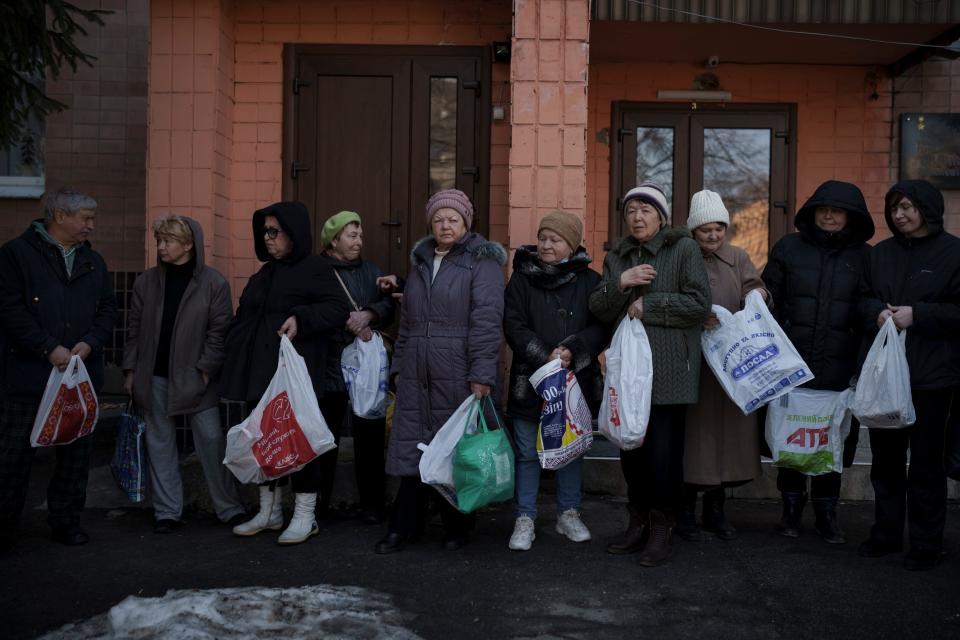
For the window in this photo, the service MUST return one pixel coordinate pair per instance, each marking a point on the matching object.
(23, 164)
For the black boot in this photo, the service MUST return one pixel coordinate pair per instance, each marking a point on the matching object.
(793, 504)
(714, 520)
(687, 520)
(635, 537)
(826, 524)
(659, 546)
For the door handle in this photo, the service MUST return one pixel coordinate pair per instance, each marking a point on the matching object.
(391, 223)
(296, 168)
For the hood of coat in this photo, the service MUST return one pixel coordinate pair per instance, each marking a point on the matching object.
(842, 195)
(666, 237)
(294, 219)
(549, 276)
(925, 197)
(198, 256)
(472, 243)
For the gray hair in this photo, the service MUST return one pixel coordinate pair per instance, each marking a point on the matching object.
(67, 200)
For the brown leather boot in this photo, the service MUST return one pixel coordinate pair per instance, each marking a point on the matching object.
(660, 545)
(635, 537)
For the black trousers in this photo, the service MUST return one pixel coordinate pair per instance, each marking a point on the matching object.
(920, 494)
(411, 508)
(654, 471)
(825, 486)
(67, 491)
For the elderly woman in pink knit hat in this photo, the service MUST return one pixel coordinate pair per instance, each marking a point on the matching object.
(721, 448)
(448, 347)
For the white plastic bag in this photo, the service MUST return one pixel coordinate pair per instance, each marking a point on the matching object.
(69, 408)
(365, 368)
(883, 397)
(627, 386)
(436, 463)
(565, 431)
(286, 429)
(751, 356)
(806, 429)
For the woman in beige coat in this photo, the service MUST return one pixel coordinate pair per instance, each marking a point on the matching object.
(721, 448)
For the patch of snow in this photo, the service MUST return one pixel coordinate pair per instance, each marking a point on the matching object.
(247, 613)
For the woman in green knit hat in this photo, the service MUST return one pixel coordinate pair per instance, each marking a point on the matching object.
(657, 274)
(371, 308)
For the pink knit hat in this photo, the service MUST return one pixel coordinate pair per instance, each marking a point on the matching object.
(452, 199)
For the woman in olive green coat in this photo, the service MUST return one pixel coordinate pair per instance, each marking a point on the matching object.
(657, 274)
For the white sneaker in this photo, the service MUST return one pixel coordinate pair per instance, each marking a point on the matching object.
(523, 534)
(570, 525)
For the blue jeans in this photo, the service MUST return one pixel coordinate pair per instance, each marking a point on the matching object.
(569, 478)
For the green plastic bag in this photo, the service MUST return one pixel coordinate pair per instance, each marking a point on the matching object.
(483, 469)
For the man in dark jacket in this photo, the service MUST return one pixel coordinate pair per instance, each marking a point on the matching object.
(813, 276)
(56, 301)
(914, 277)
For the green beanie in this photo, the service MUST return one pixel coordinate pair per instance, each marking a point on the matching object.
(335, 225)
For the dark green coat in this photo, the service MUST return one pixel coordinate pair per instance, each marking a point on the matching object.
(675, 305)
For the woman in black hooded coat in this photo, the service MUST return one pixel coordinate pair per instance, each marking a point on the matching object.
(294, 293)
(914, 277)
(813, 276)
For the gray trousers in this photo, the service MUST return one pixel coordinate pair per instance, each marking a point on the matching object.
(166, 484)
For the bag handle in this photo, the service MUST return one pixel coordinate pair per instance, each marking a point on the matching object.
(356, 307)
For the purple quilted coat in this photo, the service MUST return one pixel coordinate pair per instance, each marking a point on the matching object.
(450, 333)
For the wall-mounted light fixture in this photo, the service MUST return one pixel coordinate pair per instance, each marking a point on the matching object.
(501, 51)
(694, 95)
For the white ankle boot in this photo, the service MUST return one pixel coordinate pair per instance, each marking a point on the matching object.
(303, 524)
(270, 515)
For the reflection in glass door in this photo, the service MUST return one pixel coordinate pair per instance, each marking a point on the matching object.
(741, 153)
(736, 164)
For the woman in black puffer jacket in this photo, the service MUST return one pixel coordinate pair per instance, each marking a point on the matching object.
(914, 277)
(547, 316)
(814, 276)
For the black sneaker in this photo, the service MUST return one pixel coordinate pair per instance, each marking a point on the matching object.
(71, 535)
(166, 525)
(921, 559)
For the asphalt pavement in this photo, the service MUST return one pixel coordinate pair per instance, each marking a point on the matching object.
(760, 586)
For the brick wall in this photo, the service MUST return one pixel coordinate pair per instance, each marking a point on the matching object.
(98, 145)
(932, 87)
(841, 132)
(236, 158)
(549, 114)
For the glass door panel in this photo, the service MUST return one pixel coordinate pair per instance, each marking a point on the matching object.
(736, 164)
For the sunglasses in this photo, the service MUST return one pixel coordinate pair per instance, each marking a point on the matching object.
(272, 232)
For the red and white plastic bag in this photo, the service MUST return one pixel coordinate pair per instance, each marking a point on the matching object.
(286, 429)
(69, 408)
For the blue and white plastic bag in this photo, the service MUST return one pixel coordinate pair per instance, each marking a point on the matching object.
(751, 356)
(566, 431)
(366, 368)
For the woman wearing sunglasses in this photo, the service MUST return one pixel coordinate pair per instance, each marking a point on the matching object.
(296, 294)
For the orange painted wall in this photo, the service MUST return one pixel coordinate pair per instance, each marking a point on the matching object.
(841, 133)
(216, 78)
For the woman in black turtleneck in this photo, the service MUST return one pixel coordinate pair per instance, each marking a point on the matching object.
(813, 276)
(173, 357)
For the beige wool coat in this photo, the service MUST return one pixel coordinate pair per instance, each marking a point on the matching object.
(721, 442)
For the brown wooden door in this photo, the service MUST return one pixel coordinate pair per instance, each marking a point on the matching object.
(377, 130)
(740, 151)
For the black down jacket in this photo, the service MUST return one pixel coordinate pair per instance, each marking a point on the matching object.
(923, 273)
(360, 277)
(41, 308)
(301, 285)
(549, 306)
(814, 278)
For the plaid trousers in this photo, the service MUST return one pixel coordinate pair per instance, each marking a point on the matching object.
(67, 490)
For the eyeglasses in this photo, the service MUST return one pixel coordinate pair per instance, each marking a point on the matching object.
(904, 207)
(272, 232)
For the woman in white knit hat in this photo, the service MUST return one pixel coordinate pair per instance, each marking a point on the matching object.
(721, 448)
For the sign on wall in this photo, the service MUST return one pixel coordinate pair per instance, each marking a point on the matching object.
(930, 148)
